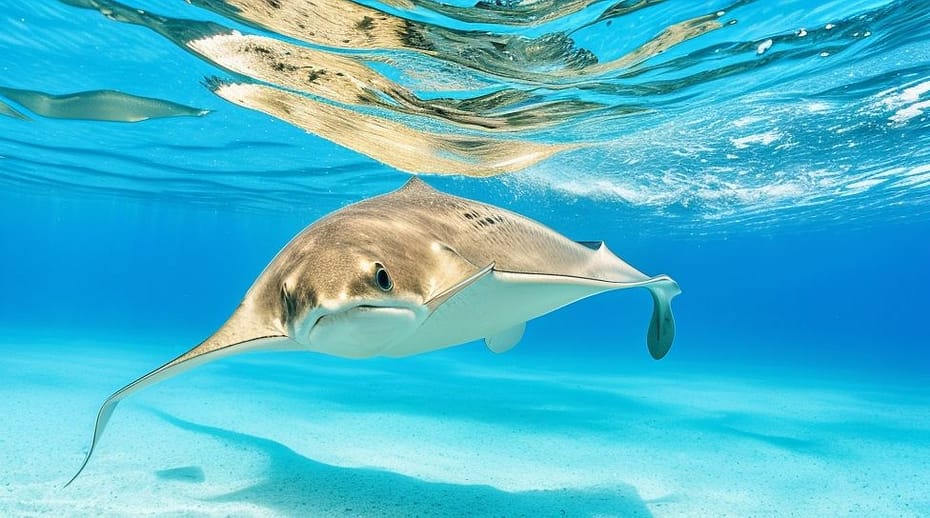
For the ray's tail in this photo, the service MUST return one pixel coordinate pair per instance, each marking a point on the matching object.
(242, 332)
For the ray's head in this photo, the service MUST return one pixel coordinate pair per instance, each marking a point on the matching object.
(353, 286)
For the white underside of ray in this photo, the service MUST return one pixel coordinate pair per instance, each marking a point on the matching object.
(361, 331)
(495, 303)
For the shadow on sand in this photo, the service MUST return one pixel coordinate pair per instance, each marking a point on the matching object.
(297, 486)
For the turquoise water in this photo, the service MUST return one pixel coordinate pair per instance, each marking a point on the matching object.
(772, 159)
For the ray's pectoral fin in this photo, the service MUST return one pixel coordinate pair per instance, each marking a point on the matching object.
(663, 288)
(662, 326)
(439, 299)
(244, 331)
(506, 339)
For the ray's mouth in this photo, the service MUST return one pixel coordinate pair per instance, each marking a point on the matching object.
(362, 308)
(359, 331)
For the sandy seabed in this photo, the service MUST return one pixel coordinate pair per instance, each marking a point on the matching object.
(453, 434)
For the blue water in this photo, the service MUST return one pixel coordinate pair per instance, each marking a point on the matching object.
(776, 164)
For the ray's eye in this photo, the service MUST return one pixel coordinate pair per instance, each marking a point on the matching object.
(382, 279)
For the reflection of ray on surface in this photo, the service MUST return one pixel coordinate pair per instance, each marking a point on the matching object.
(99, 105)
(669, 37)
(668, 161)
(9, 111)
(552, 58)
(345, 80)
(391, 142)
(324, 74)
(293, 482)
(625, 7)
(334, 23)
(525, 14)
(346, 25)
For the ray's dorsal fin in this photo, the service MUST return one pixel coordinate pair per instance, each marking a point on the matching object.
(416, 184)
(244, 331)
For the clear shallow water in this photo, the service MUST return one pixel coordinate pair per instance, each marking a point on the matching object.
(783, 185)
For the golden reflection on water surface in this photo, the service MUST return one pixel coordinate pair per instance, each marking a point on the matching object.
(331, 72)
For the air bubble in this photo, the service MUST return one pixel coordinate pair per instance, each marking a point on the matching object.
(765, 45)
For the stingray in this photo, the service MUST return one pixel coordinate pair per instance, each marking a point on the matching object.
(412, 271)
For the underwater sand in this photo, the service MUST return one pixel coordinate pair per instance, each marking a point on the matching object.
(458, 433)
